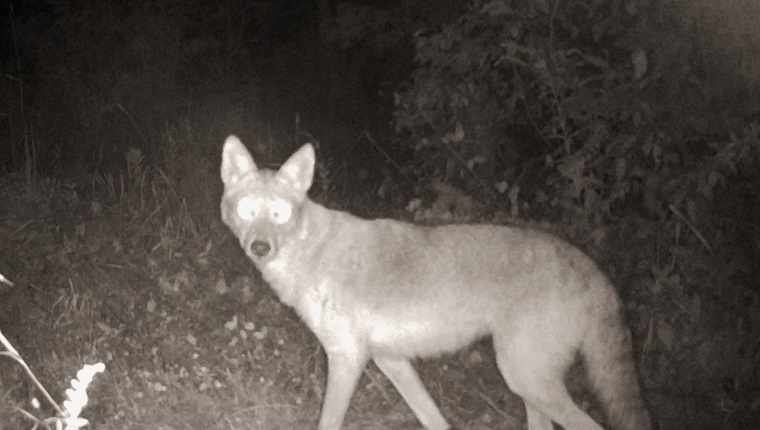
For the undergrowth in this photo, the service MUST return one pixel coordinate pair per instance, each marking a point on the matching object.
(153, 286)
(608, 123)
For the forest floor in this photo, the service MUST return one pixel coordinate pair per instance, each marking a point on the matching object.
(190, 336)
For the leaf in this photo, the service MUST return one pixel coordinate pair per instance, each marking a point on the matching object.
(414, 205)
(596, 61)
(474, 161)
(656, 153)
(455, 136)
(221, 286)
(598, 235)
(424, 142)
(631, 7)
(496, 8)
(636, 119)
(231, 324)
(707, 185)
(639, 61)
(108, 330)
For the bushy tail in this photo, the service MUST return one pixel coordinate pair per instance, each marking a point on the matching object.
(609, 362)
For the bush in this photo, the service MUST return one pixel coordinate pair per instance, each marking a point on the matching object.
(597, 117)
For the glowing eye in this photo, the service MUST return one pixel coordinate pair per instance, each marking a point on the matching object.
(280, 211)
(248, 208)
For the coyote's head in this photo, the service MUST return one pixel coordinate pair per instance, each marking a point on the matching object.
(263, 208)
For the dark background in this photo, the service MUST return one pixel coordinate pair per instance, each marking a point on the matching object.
(629, 128)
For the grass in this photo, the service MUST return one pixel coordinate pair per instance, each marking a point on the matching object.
(136, 271)
(69, 416)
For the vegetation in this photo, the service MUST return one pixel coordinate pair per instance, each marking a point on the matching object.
(628, 127)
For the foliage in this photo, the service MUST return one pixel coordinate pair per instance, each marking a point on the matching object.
(593, 115)
(96, 77)
(184, 347)
(68, 417)
(627, 124)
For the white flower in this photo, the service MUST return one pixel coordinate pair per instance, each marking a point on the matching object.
(77, 397)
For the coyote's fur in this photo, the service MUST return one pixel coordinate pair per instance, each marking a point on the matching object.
(390, 291)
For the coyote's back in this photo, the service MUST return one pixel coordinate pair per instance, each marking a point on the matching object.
(390, 291)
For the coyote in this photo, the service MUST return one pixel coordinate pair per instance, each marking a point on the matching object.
(391, 291)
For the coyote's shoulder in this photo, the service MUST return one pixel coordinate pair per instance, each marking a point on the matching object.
(389, 291)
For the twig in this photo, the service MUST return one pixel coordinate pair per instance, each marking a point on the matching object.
(398, 167)
(12, 353)
(134, 123)
(375, 383)
(477, 178)
(691, 226)
(5, 280)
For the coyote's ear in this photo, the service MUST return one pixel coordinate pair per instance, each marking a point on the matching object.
(299, 169)
(236, 161)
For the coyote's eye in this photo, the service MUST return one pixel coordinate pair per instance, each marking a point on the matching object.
(248, 208)
(280, 211)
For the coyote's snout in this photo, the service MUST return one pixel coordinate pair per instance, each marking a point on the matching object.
(389, 291)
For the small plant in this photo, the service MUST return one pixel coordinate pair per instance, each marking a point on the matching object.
(68, 417)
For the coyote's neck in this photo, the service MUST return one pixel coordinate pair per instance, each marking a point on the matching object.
(304, 248)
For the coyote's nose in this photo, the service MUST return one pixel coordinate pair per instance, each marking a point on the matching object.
(260, 248)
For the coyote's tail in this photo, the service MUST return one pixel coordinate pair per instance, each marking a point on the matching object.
(608, 357)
